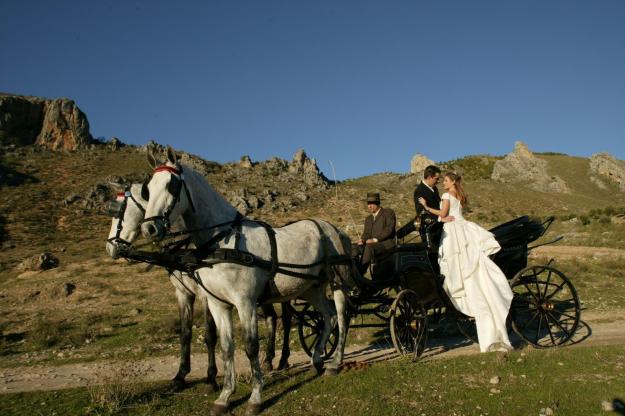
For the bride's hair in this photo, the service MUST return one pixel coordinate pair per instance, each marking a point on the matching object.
(461, 194)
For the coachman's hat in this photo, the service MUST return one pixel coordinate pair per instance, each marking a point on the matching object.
(373, 198)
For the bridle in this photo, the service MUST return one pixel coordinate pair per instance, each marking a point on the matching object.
(117, 209)
(175, 186)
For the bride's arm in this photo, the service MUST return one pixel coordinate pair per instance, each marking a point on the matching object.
(443, 212)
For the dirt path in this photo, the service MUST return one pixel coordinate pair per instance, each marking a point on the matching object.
(597, 329)
(567, 252)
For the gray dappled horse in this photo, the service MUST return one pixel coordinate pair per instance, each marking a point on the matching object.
(128, 212)
(250, 261)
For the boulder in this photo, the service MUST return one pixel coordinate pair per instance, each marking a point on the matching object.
(43, 261)
(609, 167)
(115, 144)
(521, 164)
(246, 162)
(63, 290)
(419, 162)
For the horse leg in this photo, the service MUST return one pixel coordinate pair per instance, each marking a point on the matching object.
(341, 311)
(185, 309)
(286, 326)
(222, 314)
(318, 299)
(270, 320)
(211, 340)
(249, 324)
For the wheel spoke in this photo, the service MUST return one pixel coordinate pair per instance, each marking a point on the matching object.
(559, 288)
(569, 316)
(540, 322)
(530, 321)
(554, 319)
(530, 291)
(553, 341)
(547, 283)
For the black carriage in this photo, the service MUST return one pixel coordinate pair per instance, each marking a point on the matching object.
(406, 293)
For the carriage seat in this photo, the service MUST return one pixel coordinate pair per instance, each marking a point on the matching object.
(518, 232)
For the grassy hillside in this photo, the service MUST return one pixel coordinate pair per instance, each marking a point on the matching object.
(35, 183)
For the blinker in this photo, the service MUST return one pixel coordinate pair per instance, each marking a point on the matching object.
(114, 209)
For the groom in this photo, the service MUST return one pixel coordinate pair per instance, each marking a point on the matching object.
(428, 191)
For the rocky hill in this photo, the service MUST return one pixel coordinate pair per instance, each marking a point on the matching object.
(53, 200)
(55, 124)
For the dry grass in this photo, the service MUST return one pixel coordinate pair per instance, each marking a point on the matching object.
(122, 388)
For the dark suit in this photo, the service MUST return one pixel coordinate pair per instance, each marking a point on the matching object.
(381, 227)
(433, 200)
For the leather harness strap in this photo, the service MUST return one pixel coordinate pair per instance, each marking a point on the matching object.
(207, 257)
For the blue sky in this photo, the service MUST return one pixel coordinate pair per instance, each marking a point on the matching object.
(365, 84)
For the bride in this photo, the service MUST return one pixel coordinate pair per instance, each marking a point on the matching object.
(475, 285)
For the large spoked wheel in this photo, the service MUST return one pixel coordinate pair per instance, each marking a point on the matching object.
(408, 323)
(309, 328)
(466, 326)
(545, 309)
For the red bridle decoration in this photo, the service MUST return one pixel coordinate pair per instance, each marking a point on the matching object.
(165, 168)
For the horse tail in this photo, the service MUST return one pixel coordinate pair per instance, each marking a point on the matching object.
(344, 271)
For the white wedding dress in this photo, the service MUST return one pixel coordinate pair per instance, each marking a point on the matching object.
(474, 283)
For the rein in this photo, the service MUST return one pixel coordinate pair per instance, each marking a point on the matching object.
(127, 194)
(176, 184)
(209, 254)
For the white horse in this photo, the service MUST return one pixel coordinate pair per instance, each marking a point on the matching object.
(128, 212)
(249, 261)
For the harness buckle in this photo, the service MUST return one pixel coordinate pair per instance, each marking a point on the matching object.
(247, 258)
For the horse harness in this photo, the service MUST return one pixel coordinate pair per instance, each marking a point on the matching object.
(209, 254)
(175, 186)
(117, 209)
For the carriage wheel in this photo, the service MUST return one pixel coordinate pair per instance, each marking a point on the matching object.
(466, 326)
(545, 309)
(408, 323)
(310, 326)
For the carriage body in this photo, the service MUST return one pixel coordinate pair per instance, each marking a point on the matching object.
(545, 310)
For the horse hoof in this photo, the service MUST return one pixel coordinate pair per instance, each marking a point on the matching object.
(219, 410)
(319, 368)
(212, 385)
(283, 366)
(331, 371)
(266, 366)
(253, 409)
(178, 384)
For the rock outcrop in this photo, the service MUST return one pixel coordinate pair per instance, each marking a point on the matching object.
(419, 162)
(608, 166)
(303, 165)
(55, 124)
(522, 165)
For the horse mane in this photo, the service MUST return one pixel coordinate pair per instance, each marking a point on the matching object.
(204, 195)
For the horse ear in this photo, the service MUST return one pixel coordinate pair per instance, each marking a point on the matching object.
(171, 155)
(152, 159)
(145, 192)
(117, 187)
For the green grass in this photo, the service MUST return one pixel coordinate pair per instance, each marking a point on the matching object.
(570, 381)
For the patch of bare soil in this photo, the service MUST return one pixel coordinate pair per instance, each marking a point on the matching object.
(596, 329)
(568, 252)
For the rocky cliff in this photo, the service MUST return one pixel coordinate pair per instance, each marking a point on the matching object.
(55, 124)
(609, 167)
(522, 164)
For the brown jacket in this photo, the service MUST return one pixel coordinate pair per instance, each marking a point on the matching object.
(382, 228)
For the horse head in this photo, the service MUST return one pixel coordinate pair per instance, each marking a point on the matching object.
(127, 211)
(168, 197)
